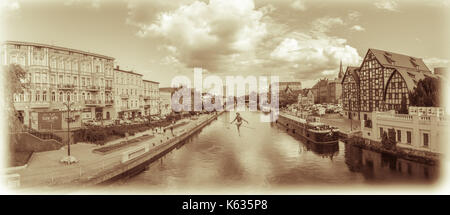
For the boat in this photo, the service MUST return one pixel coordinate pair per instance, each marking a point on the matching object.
(311, 130)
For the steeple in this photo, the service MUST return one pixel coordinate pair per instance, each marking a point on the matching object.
(341, 73)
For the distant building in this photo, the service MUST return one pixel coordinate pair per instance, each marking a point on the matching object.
(166, 100)
(329, 91)
(291, 85)
(384, 79)
(151, 98)
(306, 97)
(128, 86)
(443, 71)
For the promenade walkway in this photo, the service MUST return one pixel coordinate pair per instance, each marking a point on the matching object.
(45, 170)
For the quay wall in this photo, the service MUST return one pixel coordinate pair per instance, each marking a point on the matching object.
(135, 165)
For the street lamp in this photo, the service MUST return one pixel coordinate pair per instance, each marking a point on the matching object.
(69, 159)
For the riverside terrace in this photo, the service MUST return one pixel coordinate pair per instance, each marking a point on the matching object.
(44, 169)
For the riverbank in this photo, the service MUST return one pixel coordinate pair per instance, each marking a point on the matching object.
(428, 158)
(45, 170)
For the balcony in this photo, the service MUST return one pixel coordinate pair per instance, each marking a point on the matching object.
(93, 103)
(124, 96)
(108, 89)
(146, 106)
(39, 105)
(92, 88)
(146, 97)
(109, 102)
(66, 86)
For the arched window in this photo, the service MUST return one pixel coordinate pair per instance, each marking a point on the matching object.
(38, 96)
(75, 96)
(68, 97)
(53, 96)
(44, 96)
(60, 99)
(83, 96)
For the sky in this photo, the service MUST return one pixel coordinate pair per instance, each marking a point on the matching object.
(297, 40)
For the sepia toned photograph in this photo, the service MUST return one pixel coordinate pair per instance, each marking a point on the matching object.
(224, 97)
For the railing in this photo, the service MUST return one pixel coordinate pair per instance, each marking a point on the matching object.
(93, 102)
(108, 88)
(43, 135)
(396, 116)
(146, 97)
(92, 88)
(124, 96)
(66, 86)
(425, 118)
(109, 102)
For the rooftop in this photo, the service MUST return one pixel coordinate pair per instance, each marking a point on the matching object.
(10, 42)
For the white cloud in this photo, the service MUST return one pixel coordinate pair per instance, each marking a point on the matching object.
(390, 5)
(298, 5)
(9, 5)
(357, 28)
(324, 24)
(354, 15)
(204, 34)
(315, 55)
(436, 62)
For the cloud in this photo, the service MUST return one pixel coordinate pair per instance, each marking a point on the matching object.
(298, 5)
(9, 5)
(357, 28)
(436, 62)
(354, 15)
(324, 24)
(315, 55)
(91, 3)
(206, 34)
(390, 5)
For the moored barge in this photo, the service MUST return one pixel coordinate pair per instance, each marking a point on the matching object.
(315, 132)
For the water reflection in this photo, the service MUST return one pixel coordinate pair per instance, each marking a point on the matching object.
(266, 157)
(387, 168)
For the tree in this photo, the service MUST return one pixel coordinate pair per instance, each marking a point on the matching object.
(13, 77)
(427, 93)
(388, 139)
(403, 106)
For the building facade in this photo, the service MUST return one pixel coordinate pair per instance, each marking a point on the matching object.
(151, 98)
(423, 129)
(350, 93)
(166, 100)
(385, 78)
(57, 75)
(128, 94)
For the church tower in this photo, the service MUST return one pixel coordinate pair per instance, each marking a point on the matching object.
(341, 72)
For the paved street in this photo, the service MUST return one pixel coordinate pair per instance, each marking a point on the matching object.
(44, 169)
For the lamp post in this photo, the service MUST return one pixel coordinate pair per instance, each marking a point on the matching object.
(69, 159)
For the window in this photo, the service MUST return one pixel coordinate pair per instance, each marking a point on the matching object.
(399, 135)
(425, 140)
(381, 132)
(408, 137)
(60, 98)
(38, 96)
(44, 96)
(53, 96)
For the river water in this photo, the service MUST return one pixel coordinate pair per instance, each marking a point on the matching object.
(262, 156)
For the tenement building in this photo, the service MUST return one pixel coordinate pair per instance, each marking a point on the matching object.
(58, 75)
(151, 98)
(128, 85)
(383, 80)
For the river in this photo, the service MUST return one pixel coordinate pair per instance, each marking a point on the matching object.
(262, 156)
